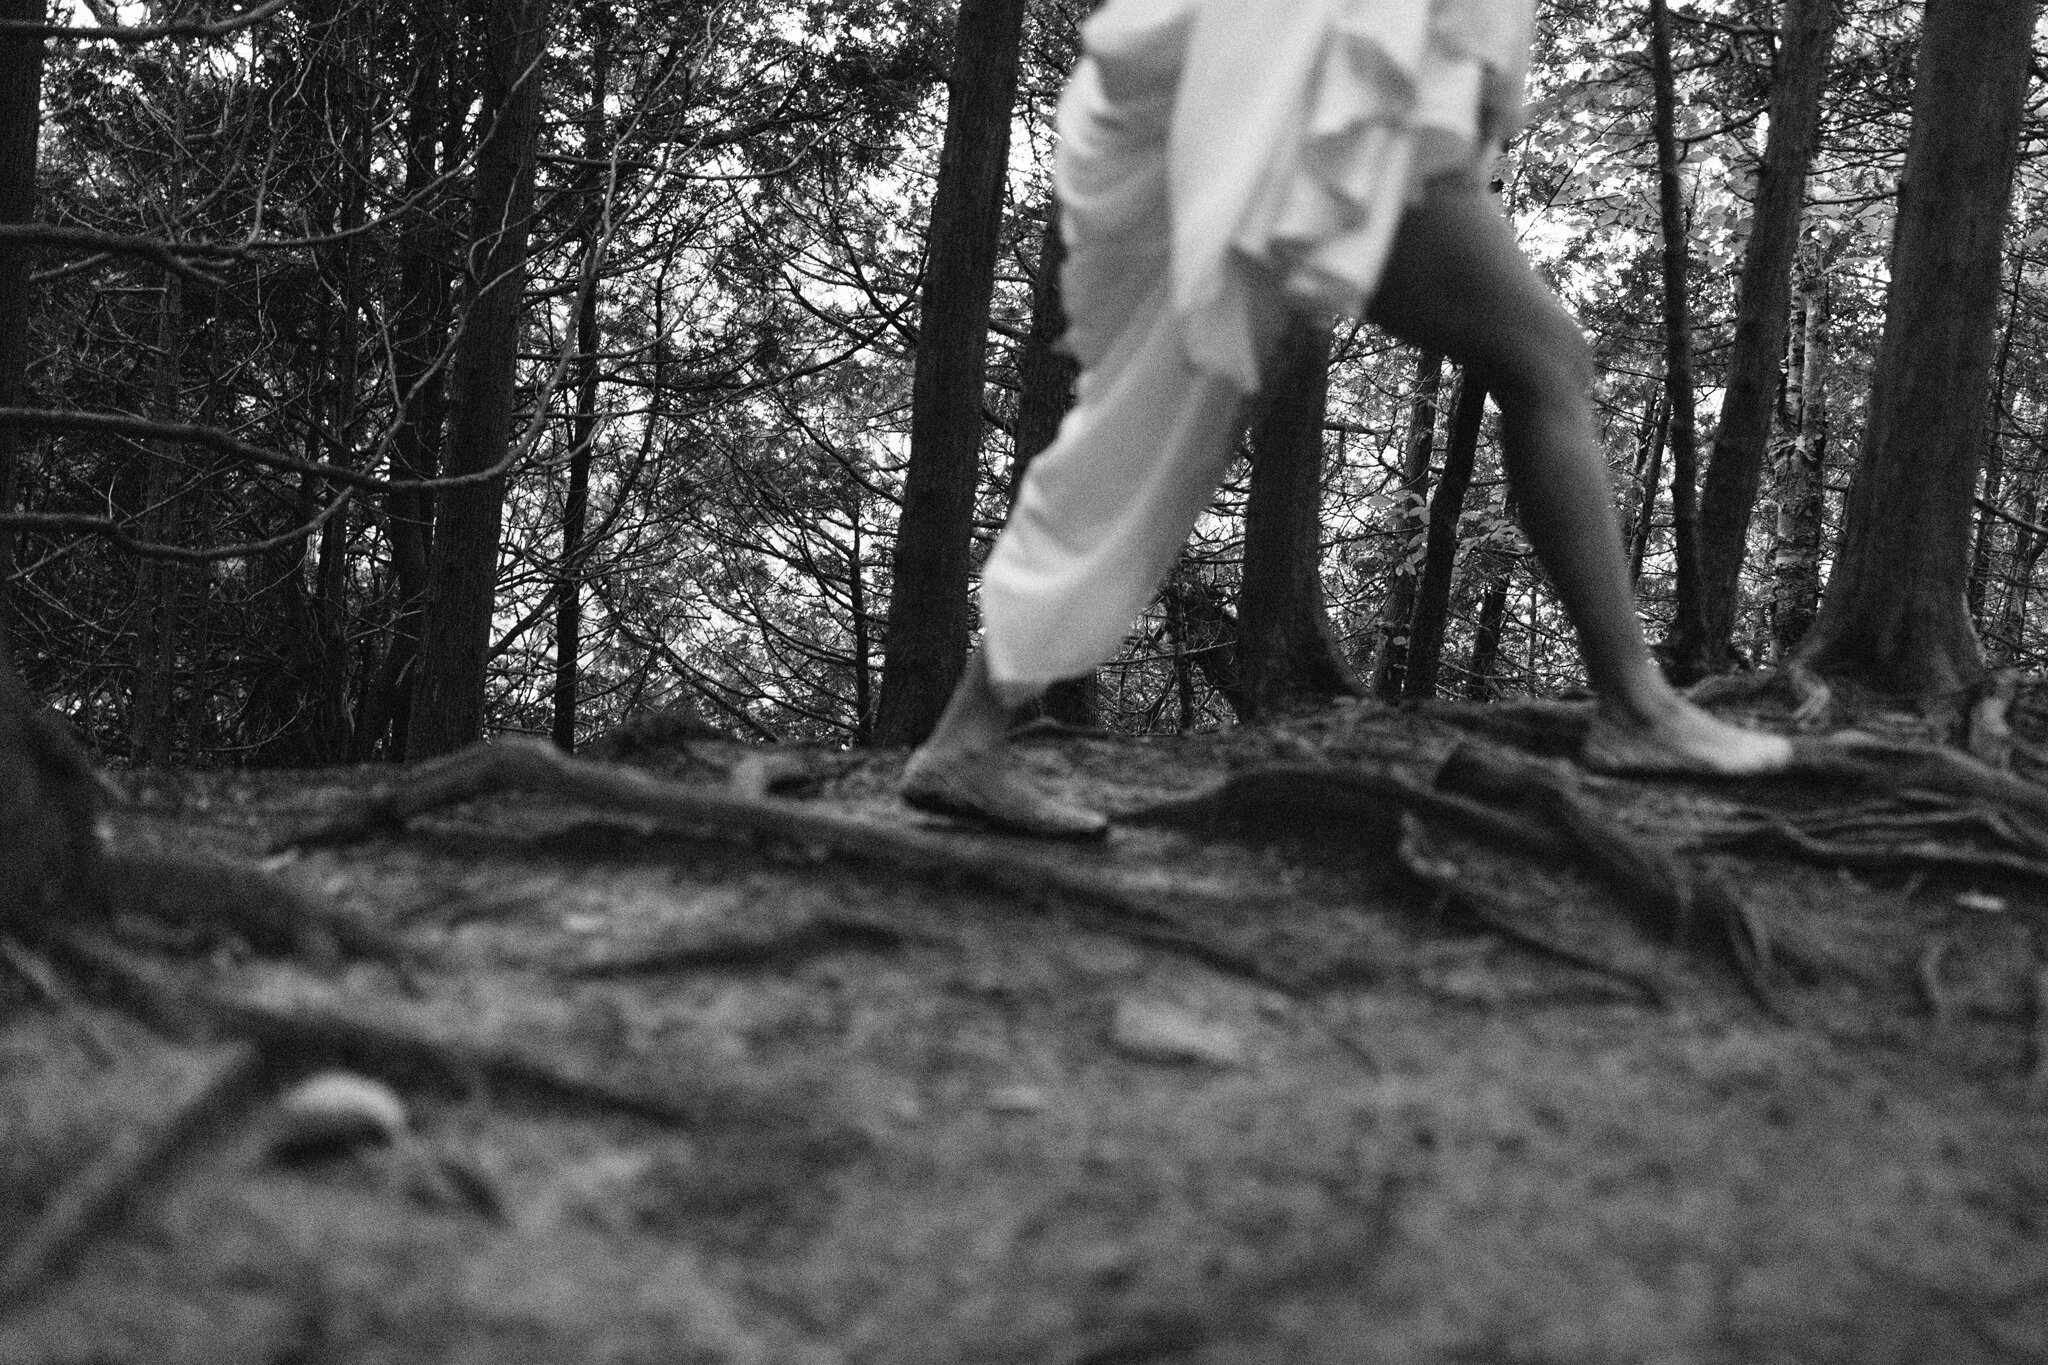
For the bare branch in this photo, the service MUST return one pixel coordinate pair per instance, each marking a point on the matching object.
(172, 256)
(219, 28)
(106, 528)
(213, 438)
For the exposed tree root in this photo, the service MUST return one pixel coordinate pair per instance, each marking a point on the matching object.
(817, 937)
(268, 911)
(1515, 804)
(520, 764)
(1775, 836)
(97, 1196)
(1987, 725)
(1450, 883)
(302, 1037)
(1950, 773)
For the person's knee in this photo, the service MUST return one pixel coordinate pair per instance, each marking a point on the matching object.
(1539, 359)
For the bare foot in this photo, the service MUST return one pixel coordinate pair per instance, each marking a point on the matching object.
(983, 784)
(1679, 738)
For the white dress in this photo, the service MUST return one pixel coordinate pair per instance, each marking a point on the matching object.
(1221, 162)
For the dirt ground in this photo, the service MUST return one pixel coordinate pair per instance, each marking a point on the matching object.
(1306, 1108)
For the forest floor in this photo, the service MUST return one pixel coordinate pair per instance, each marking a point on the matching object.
(1280, 1092)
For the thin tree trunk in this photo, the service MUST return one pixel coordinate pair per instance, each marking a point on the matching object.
(21, 85)
(150, 718)
(583, 430)
(1896, 612)
(1994, 451)
(1411, 524)
(1806, 33)
(1439, 560)
(1204, 631)
(1687, 627)
(925, 646)
(1045, 384)
(1656, 431)
(328, 677)
(1493, 611)
(1287, 653)
(863, 625)
(1795, 561)
(2009, 635)
(448, 710)
(419, 332)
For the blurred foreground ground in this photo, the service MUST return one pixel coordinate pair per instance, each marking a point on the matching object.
(943, 1124)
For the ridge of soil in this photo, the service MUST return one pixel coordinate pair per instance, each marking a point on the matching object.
(906, 1118)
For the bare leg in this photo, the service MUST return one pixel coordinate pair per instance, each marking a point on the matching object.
(1456, 282)
(963, 769)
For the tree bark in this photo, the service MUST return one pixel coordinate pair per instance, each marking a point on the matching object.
(21, 86)
(1687, 629)
(1287, 651)
(1795, 559)
(925, 644)
(448, 710)
(419, 332)
(583, 429)
(1994, 462)
(1045, 384)
(1493, 611)
(1439, 559)
(1656, 432)
(155, 608)
(2008, 636)
(1806, 32)
(1411, 524)
(1204, 632)
(1896, 613)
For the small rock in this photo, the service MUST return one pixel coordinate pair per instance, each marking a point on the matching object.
(1153, 1032)
(1981, 900)
(334, 1111)
(1016, 1099)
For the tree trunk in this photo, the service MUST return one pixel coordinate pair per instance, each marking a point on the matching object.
(1687, 628)
(1896, 612)
(1493, 612)
(583, 429)
(150, 714)
(21, 86)
(2008, 637)
(1411, 524)
(1650, 473)
(448, 711)
(1795, 561)
(419, 331)
(1045, 390)
(1439, 559)
(1994, 461)
(925, 645)
(49, 803)
(1806, 34)
(1204, 632)
(1287, 652)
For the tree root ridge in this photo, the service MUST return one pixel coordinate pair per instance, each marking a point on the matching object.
(98, 1196)
(813, 938)
(1524, 806)
(520, 764)
(301, 1037)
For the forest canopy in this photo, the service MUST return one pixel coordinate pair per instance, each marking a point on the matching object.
(607, 319)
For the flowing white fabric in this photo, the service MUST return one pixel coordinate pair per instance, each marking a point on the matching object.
(1220, 162)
